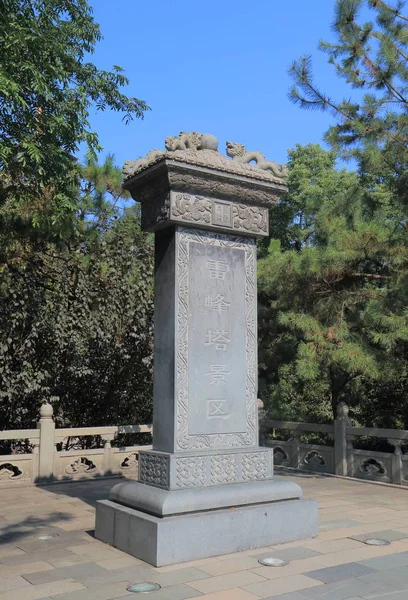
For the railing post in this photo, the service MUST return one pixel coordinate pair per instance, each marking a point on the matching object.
(340, 442)
(46, 426)
(296, 449)
(261, 416)
(107, 454)
(397, 466)
(350, 455)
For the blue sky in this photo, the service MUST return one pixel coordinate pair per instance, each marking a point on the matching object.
(214, 66)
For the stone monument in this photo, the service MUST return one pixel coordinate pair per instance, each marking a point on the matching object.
(206, 488)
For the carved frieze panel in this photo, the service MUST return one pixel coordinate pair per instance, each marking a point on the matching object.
(154, 469)
(190, 472)
(178, 207)
(9, 471)
(80, 465)
(174, 471)
(255, 466)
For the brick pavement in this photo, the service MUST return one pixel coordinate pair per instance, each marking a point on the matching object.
(69, 564)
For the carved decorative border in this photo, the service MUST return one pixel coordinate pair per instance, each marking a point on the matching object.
(184, 441)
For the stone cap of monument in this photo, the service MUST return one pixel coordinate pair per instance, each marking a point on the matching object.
(183, 184)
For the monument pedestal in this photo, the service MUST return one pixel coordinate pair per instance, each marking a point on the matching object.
(164, 540)
(206, 488)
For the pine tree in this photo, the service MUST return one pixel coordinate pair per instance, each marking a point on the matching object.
(332, 307)
(372, 58)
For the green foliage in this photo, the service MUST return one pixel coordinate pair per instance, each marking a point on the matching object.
(372, 58)
(335, 292)
(76, 319)
(333, 298)
(47, 87)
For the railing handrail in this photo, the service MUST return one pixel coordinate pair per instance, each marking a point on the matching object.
(19, 434)
(393, 434)
(107, 430)
(294, 426)
(63, 432)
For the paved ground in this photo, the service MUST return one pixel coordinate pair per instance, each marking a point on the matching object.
(336, 566)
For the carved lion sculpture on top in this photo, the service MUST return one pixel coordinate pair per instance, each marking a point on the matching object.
(184, 141)
(238, 153)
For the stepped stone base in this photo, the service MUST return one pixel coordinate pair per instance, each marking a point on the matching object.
(189, 530)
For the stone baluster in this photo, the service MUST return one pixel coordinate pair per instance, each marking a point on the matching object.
(295, 441)
(350, 455)
(107, 466)
(262, 429)
(46, 426)
(340, 443)
(397, 466)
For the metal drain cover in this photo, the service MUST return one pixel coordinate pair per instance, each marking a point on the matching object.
(143, 588)
(47, 536)
(376, 542)
(272, 562)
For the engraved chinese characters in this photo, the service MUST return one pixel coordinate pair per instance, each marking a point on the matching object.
(217, 408)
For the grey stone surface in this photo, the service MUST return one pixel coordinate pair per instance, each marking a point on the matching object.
(12, 583)
(203, 469)
(73, 572)
(214, 214)
(209, 379)
(177, 592)
(206, 488)
(161, 541)
(130, 574)
(40, 555)
(384, 563)
(194, 148)
(65, 539)
(164, 503)
(392, 580)
(340, 590)
(387, 534)
(152, 188)
(384, 595)
(329, 525)
(216, 340)
(341, 572)
(289, 596)
(105, 592)
(289, 554)
(179, 576)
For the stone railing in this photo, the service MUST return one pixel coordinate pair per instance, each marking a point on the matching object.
(47, 464)
(341, 458)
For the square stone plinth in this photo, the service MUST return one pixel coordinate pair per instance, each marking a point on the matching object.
(163, 541)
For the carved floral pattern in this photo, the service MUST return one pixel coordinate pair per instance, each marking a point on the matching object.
(130, 462)
(313, 458)
(9, 471)
(191, 208)
(184, 440)
(279, 455)
(250, 218)
(80, 465)
(190, 472)
(373, 467)
(224, 469)
(154, 469)
(254, 466)
(155, 212)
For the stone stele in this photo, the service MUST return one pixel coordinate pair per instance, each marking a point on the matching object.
(206, 488)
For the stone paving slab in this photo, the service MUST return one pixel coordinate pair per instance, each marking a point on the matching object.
(178, 592)
(297, 553)
(388, 535)
(335, 566)
(340, 573)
